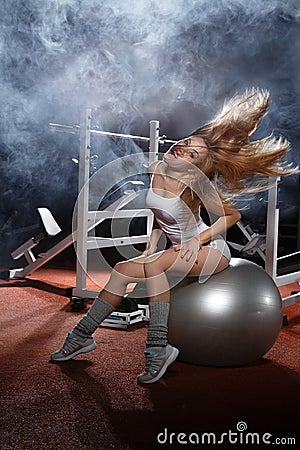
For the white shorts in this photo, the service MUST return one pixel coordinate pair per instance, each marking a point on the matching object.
(220, 244)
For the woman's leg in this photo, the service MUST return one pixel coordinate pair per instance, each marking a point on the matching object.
(111, 296)
(80, 340)
(166, 263)
(157, 270)
(124, 273)
(153, 269)
(159, 354)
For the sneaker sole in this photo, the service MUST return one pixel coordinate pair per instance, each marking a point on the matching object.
(87, 349)
(168, 362)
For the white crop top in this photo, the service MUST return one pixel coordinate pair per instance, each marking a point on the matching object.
(174, 217)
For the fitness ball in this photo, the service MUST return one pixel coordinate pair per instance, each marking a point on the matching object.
(231, 319)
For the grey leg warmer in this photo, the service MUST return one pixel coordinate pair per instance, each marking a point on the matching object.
(158, 325)
(89, 323)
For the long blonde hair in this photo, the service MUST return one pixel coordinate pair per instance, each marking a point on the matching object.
(235, 164)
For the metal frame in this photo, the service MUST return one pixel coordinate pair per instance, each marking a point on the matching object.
(255, 244)
(272, 246)
(123, 320)
(88, 220)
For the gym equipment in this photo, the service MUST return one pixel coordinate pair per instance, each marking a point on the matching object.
(272, 247)
(232, 319)
(256, 242)
(50, 229)
(87, 220)
(267, 245)
(78, 303)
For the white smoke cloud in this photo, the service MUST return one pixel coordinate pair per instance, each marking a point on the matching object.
(172, 60)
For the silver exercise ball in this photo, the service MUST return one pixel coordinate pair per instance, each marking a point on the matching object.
(232, 319)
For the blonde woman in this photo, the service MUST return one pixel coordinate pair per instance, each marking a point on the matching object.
(208, 168)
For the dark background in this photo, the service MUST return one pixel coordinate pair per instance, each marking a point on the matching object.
(131, 62)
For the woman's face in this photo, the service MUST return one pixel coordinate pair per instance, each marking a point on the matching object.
(191, 149)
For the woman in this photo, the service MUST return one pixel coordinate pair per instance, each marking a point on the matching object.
(209, 167)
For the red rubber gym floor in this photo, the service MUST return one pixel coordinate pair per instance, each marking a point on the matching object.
(94, 401)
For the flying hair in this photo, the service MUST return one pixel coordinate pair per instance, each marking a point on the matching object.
(235, 164)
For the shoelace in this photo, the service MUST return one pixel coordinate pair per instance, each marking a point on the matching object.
(152, 364)
(69, 345)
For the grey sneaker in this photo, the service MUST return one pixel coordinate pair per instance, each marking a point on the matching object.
(72, 346)
(158, 360)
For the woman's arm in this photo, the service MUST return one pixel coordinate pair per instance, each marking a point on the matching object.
(156, 233)
(229, 215)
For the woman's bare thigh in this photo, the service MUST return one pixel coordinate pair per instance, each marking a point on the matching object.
(209, 261)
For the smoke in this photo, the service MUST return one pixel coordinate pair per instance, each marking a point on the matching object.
(172, 60)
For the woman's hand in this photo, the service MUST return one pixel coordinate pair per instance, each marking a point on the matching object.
(189, 249)
(151, 246)
(150, 249)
